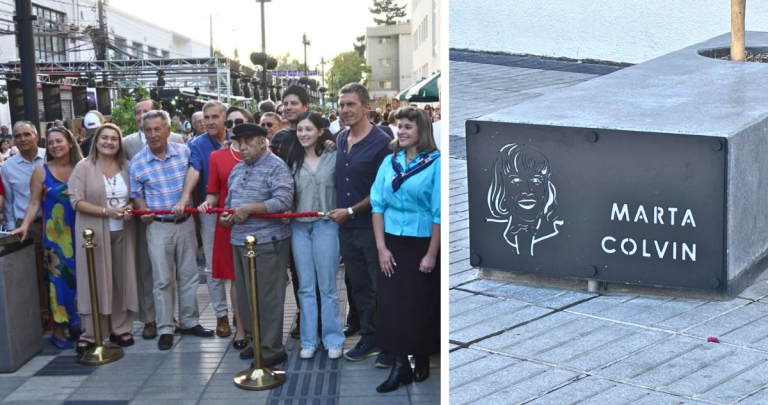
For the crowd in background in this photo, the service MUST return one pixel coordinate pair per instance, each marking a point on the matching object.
(376, 173)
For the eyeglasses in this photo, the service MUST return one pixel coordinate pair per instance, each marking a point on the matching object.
(266, 124)
(230, 123)
(280, 112)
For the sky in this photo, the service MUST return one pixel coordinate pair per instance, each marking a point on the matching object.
(331, 25)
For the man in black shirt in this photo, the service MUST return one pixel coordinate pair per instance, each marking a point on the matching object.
(295, 103)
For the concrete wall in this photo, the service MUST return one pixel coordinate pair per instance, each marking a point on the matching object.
(621, 31)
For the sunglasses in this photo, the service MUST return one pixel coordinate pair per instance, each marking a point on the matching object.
(230, 123)
(59, 128)
(266, 124)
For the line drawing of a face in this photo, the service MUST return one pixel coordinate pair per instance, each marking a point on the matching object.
(522, 195)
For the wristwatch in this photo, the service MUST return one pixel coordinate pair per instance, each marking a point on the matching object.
(351, 213)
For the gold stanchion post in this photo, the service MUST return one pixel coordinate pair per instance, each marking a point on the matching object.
(258, 378)
(99, 354)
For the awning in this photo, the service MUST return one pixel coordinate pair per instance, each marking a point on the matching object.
(425, 91)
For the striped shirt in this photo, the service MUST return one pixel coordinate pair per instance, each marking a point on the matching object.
(159, 181)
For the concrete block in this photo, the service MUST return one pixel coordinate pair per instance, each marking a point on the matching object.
(20, 328)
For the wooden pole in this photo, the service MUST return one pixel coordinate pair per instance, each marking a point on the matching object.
(738, 52)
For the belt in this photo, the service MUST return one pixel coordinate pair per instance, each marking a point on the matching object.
(36, 221)
(176, 220)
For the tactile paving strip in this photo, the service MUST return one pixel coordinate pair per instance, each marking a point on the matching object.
(63, 366)
(309, 382)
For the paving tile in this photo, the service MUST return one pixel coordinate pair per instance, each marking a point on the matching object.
(650, 358)
(576, 392)
(599, 304)
(479, 368)
(473, 302)
(492, 383)
(493, 318)
(716, 373)
(738, 386)
(542, 335)
(660, 313)
(731, 321)
(632, 307)
(700, 314)
(681, 366)
(530, 388)
(579, 346)
(609, 353)
(46, 388)
(461, 278)
(464, 356)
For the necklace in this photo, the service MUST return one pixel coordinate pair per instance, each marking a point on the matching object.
(113, 201)
(231, 152)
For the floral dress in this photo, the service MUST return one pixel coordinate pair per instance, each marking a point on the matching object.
(58, 238)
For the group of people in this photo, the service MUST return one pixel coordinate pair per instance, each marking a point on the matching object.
(381, 196)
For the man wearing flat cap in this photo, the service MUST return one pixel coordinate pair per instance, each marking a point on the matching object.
(260, 184)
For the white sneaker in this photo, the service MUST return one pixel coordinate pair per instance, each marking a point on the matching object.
(307, 353)
(334, 353)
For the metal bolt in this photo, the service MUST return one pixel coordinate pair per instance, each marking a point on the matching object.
(475, 259)
(592, 137)
(472, 128)
(591, 271)
(714, 283)
(716, 145)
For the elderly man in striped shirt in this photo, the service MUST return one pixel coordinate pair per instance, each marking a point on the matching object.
(157, 181)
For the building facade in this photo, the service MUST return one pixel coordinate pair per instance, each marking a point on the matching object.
(425, 34)
(65, 31)
(389, 54)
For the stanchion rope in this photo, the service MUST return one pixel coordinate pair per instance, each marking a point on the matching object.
(223, 210)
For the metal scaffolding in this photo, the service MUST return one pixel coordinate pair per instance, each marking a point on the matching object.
(208, 74)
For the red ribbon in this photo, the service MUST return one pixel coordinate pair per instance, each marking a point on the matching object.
(223, 210)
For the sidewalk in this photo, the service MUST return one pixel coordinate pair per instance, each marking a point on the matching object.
(516, 343)
(201, 371)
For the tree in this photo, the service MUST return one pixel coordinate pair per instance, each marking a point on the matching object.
(360, 45)
(237, 56)
(218, 53)
(738, 52)
(349, 68)
(389, 9)
(284, 64)
(123, 111)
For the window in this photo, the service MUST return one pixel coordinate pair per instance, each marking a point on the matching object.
(49, 35)
(151, 52)
(385, 85)
(137, 50)
(385, 40)
(166, 55)
(122, 45)
(385, 61)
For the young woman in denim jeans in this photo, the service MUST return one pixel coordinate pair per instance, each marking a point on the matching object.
(315, 241)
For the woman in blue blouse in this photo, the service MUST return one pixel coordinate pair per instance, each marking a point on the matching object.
(406, 221)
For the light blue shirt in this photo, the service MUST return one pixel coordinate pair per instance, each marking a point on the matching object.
(415, 206)
(16, 173)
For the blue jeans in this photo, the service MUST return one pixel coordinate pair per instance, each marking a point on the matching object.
(316, 254)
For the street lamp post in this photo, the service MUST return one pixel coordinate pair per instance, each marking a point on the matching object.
(264, 84)
(306, 43)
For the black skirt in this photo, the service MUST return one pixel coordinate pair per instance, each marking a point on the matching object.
(408, 303)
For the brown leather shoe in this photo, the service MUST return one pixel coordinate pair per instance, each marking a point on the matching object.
(222, 326)
(150, 330)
